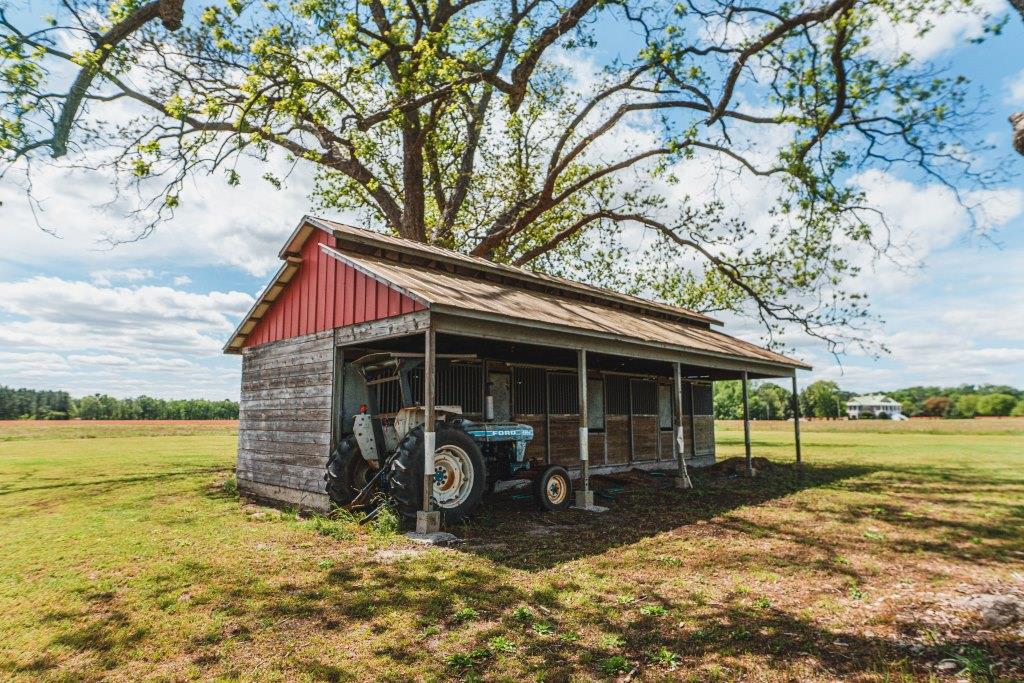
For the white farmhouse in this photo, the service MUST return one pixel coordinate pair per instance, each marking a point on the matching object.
(874, 405)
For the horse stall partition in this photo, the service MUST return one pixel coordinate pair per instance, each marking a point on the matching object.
(666, 413)
(617, 423)
(698, 422)
(643, 403)
(530, 407)
(563, 419)
(703, 438)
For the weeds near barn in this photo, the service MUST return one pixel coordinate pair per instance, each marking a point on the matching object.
(125, 556)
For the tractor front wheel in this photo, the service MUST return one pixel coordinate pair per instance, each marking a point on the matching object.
(553, 489)
(347, 472)
(460, 475)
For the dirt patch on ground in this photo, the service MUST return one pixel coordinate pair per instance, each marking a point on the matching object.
(737, 467)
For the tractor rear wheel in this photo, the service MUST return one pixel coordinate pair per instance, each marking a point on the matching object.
(347, 472)
(460, 475)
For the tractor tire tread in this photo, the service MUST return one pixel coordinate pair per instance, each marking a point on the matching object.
(405, 474)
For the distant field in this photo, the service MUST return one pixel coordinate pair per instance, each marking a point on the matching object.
(17, 430)
(125, 555)
(979, 425)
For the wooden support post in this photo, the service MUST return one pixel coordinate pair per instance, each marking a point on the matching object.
(426, 520)
(682, 476)
(746, 427)
(693, 423)
(796, 419)
(584, 497)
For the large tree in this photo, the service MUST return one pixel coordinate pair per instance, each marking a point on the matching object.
(545, 133)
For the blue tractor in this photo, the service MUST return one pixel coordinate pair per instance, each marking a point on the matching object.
(384, 454)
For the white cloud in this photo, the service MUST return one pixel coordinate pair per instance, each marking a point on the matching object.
(126, 340)
(1015, 89)
(922, 219)
(99, 359)
(181, 280)
(109, 276)
(945, 30)
(241, 227)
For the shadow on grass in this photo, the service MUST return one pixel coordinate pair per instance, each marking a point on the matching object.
(394, 606)
(512, 624)
(102, 638)
(512, 532)
(97, 486)
(719, 644)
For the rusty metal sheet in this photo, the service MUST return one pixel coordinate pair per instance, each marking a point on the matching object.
(441, 287)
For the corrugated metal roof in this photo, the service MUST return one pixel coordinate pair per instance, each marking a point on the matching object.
(516, 294)
(440, 288)
(549, 281)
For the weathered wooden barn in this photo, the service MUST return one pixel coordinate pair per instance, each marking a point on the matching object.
(517, 336)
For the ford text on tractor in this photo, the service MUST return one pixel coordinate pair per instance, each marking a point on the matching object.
(384, 454)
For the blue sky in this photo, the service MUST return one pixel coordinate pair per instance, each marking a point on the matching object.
(151, 317)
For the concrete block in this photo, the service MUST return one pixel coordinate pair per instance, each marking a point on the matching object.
(439, 538)
(428, 522)
(682, 483)
(592, 508)
(585, 499)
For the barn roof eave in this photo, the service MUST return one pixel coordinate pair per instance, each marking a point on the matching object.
(619, 344)
(269, 294)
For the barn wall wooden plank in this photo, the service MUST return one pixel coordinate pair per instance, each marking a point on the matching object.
(565, 440)
(297, 471)
(281, 495)
(301, 483)
(259, 382)
(284, 429)
(319, 355)
(280, 414)
(536, 449)
(250, 423)
(617, 429)
(282, 373)
(298, 344)
(268, 393)
(314, 461)
(283, 449)
(645, 437)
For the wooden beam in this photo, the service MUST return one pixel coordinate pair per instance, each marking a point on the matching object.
(682, 476)
(581, 370)
(386, 328)
(796, 420)
(746, 427)
(429, 437)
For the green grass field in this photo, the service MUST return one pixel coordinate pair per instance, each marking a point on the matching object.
(125, 555)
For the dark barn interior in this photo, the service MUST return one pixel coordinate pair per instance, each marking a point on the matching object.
(630, 402)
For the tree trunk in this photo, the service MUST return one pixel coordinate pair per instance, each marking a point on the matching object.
(412, 180)
(1017, 120)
